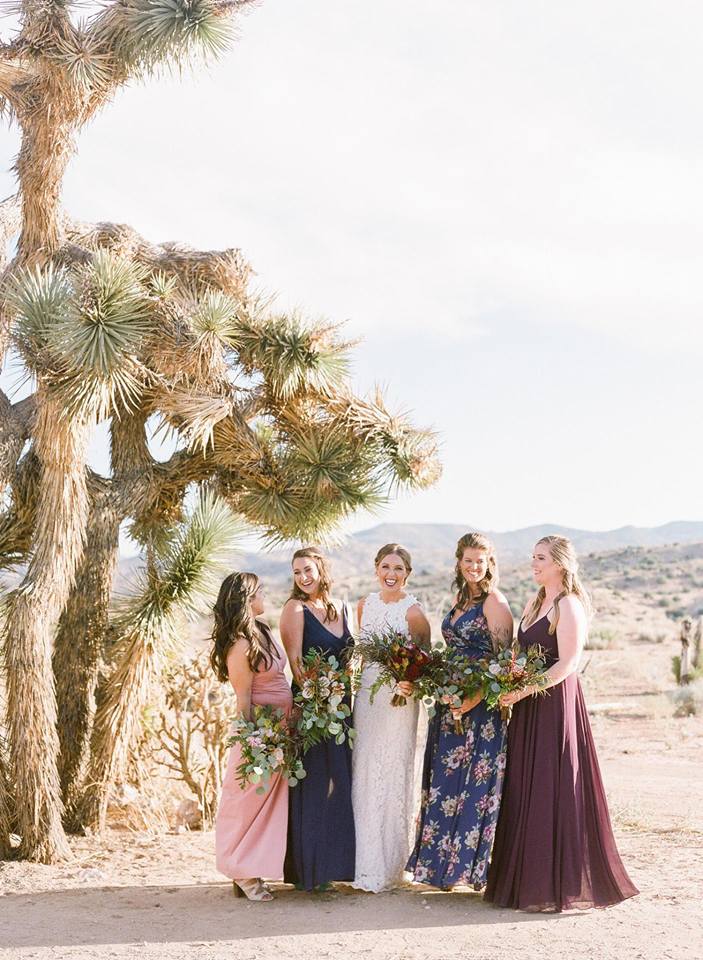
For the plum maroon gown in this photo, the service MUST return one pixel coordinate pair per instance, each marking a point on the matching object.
(321, 845)
(554, 846)
(250, 830)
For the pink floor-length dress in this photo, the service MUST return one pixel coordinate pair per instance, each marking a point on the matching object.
(251, 828)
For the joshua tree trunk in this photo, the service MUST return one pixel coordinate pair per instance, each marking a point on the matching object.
(5, 809)
(79, 651)
(34, 610)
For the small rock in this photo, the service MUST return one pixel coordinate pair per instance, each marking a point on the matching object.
(188, 815)
(90, 874)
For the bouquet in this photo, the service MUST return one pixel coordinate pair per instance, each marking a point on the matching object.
(268, 746)
(510, 670)
(322, 712)
(459, 677)
(399, 658)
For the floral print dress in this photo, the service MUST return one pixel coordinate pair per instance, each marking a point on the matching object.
(462, 778)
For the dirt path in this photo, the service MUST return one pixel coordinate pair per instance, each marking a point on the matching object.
(137, 896)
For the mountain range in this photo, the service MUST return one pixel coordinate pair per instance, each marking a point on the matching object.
(432, 545)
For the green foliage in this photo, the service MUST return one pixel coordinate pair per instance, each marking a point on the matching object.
(40, 300)
(295, 356)
(183, 575)
(147, 34)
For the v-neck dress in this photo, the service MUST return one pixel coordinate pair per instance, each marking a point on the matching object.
(462, 778)
(554, 846)
(321, 845)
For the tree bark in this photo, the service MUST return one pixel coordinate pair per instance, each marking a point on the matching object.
(79, 651)
(33, 613)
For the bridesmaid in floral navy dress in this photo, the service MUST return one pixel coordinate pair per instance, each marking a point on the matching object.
(321, 845)
(463, 773)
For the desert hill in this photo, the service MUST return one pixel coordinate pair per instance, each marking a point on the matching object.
(432, 545)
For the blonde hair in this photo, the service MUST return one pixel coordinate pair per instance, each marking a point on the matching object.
(314, 553)
(563, 554)
(388, 548)
(475, 541)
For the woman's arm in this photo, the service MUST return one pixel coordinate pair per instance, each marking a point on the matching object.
(240, 676)
(418, 625)
(571, 636)
(291, 626)
(499, 618)
(359, 612)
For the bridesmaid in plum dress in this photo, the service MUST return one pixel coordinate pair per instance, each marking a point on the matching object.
(554, 847)
(250, 831)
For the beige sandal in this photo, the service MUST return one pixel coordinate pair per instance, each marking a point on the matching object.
(254, 889)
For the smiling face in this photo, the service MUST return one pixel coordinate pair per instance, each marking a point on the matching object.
(392, 573)
(257, 601)
(545, 570)
(474, 564)
(306, 575)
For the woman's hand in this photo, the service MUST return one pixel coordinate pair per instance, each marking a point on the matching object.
(509, 699)
(405, 688)
(467, 704)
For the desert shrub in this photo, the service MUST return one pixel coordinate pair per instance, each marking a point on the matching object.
(688, 700)
(603, 639)
(694, 673)
(191, 730)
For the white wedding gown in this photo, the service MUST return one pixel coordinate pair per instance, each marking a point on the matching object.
(385, 767)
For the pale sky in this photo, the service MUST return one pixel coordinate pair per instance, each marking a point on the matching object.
(504, 199)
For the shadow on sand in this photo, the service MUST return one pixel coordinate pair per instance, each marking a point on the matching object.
(209, 912)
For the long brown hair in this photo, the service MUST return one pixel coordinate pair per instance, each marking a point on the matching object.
(388, 548)
(475, 541)
(234, 620)
(313, 553)
(563, 554)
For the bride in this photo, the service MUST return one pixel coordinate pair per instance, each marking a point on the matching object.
(383, 760)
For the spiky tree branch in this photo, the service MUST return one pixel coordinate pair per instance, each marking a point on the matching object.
(182, 578)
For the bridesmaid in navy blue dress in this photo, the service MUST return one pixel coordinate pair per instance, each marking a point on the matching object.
(463, 772)
(321, 845)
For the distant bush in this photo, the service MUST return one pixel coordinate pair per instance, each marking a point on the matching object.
(694, 673)
(688, 700)
(602, 640)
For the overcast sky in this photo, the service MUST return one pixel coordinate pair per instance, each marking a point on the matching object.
(504, 199)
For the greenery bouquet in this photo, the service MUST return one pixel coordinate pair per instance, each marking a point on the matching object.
(268, 745)
(322, 701)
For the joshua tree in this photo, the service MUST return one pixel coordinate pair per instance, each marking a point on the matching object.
(113, 328)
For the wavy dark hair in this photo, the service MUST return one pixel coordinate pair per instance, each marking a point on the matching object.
(475, 541)
(314, 553)
(234, 620)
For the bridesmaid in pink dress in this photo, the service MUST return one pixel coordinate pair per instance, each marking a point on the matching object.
(251, 828)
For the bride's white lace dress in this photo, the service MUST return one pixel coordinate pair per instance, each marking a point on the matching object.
(385, 782)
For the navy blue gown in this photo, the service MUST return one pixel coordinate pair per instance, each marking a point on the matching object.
(321, 843)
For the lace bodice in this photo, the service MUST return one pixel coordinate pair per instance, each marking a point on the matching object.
(378, 615)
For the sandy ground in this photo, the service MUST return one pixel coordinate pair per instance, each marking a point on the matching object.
(140, 896)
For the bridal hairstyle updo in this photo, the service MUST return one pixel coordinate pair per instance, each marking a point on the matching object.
(234, 620)
(475, 541)
(387, 549)
(563, 554)
(313, 553)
